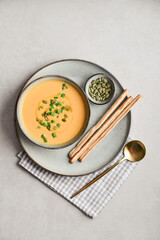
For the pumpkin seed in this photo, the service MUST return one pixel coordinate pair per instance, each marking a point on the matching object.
(99, 89)
(108, 89)
(97, 98)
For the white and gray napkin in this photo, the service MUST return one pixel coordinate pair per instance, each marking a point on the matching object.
(92, 200)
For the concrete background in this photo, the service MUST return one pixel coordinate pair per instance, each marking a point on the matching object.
(122, 36)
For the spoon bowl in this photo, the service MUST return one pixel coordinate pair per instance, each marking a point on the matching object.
(134, 151)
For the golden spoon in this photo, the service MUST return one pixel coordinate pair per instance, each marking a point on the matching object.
(133, 151)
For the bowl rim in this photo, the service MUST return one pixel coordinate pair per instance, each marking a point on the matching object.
(72, 83)
(90, 98)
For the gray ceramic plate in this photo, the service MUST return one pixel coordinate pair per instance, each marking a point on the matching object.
(57, 160)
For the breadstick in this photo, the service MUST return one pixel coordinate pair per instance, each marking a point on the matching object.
(105, 133)
(98, 125)
(99, 131)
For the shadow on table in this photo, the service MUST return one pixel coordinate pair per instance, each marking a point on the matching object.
(8, 119)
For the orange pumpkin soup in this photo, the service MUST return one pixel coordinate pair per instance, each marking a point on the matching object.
(53, 112)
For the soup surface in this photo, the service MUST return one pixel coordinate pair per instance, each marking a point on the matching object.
(53, 112)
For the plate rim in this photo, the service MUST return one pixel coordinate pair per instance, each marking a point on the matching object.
(16, 124)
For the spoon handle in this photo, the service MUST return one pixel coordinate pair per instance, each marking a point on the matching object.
(97, 178)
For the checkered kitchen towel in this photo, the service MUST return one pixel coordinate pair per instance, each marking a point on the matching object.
(92, 200)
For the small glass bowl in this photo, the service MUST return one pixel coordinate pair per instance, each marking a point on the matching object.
(95, 77)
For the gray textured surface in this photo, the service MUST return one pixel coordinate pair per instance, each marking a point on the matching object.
(122, 36)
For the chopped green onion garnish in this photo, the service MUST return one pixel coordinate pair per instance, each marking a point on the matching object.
(62, 108)
(58, 124)
(52, 121)
(48, 127)
(40, 107)
(60, 103)
(55, 97)
(44, 101)
(45, 114)
(67, 107)
(54, 127)
(63, 95)
(53, 135)
(64, 86)
(41, 122)
(38, 127)
(64, 119)
(44, 138)
(52, 101)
